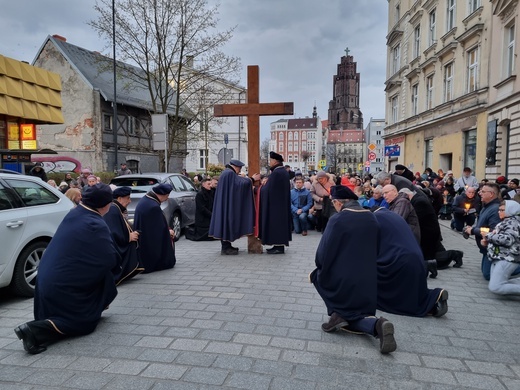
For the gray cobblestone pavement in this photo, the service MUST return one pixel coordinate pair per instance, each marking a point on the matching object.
(253, 322)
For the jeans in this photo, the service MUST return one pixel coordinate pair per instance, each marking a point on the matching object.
(300, 223)
(485, 266)
(499, 283)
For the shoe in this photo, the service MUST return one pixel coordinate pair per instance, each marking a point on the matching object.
(24, 333)
(304, 233)
(432, 268)
(235, 249)
(229, 251)
(441, 307)
(458, 259)
(385, 334)
(276, 250)
(335, 323)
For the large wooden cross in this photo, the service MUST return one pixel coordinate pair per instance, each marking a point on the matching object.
(253, 109)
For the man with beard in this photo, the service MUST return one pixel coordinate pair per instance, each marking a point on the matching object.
(203, 210)
(233, 208)
(275, 207)
(156, 240)
(74, 287)
(125, 239)
(346, 272)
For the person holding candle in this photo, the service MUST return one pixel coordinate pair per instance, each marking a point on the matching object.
(488, 218)
(466, 181)
(465, 209)
(503, 249)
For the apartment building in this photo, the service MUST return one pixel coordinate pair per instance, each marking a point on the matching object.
(438, 86)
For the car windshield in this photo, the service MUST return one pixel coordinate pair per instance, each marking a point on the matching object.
(138, 184)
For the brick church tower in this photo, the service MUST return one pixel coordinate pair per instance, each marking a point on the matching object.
(344, 110)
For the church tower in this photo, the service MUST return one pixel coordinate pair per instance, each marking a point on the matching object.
(344, 110)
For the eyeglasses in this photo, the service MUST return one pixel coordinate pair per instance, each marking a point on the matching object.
(484, 191)
(501, 209)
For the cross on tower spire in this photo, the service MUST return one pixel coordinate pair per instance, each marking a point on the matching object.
(347, 51)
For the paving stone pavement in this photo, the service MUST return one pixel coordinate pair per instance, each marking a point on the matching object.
(253, 322)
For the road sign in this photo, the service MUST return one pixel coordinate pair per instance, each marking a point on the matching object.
(371, 147)
(372, 156)
(367, 164)
(360, 166)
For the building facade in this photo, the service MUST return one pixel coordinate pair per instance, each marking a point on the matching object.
(437, 85)
(346, 151)
(344, 112)
(298, 141)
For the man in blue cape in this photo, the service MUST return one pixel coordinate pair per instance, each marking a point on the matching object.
(125, 239)
(233, 208)
(74, 286)
(156, 248)
(346, 272)
(401, 271)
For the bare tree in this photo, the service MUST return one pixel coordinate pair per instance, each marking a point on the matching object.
(264, 154)
(162, 38)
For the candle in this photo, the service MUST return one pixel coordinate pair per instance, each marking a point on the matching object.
(484, 230)
(467, 205)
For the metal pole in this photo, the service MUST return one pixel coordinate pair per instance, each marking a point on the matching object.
(166, 145)
(114, 124)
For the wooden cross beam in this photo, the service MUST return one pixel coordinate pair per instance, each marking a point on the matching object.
(253, 109)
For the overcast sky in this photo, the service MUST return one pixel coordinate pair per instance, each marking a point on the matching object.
(296, 43)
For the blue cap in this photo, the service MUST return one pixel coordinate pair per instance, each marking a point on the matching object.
(162, 189)
(342, 192)
(97, 196)
(236, 163)
(121, 192)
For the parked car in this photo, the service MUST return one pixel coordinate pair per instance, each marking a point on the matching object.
(179, 210)
(30, 213)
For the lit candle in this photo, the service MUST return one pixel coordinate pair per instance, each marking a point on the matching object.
(484, 230)
(467, 205)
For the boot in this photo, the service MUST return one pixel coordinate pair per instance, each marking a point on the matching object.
(431, 266)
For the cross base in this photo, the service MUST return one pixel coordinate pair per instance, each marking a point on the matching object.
(254, 245)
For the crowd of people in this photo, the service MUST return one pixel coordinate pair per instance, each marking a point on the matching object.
(397, 213)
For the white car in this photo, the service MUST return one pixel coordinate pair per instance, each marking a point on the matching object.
(30, 213)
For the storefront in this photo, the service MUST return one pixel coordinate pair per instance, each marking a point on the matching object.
(29, 96)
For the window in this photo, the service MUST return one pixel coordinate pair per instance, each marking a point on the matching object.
(296, 146)
(290, 158)
(428, 152)
(273, 136)
(396, 58)
(473, 5)
(395, 108)
(429, 92)
(280, 136)
(289, 147)
(295, 158)
(510, 50)
(432, 31)
(202, 158)
(107, 122)
(470, 149)
(296, 136)
(472, 70)
(415, 99)
(417, 41)
(31, 193)
(450, 15)
(448, 82)
(289, 136)
(304, 145)
(280, 147)
(304, 135)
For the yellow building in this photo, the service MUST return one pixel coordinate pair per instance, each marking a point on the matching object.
(29, 96)
(437, 85)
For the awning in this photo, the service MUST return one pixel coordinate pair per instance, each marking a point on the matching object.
(29, 92)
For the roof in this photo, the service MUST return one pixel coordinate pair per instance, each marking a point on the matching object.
(346, 136)
(302, 123)
(29, 92)
(98, 72)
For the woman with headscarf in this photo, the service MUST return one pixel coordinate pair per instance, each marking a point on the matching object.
(503, 249)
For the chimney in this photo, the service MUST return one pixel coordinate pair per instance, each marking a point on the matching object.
(56, 36)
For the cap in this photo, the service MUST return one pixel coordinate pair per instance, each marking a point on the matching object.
(97, 196)
(501, 180)
(342, 192)
(121, 192)
(162, 189)
(400, 167)
(515, 181)
(321, 174)
(236, 163)
(276, 156)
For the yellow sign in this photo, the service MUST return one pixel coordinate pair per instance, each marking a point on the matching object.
(322, 163)
(27, 132)
(360, 167)
(13, 133)
(31, 144)
(372, 147)
(13, 144)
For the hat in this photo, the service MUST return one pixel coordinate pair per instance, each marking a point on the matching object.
(97, 196)
(516, 181)
(38, 164)
(321, 174)
(162, 189)
(342, 192)
(86, 170)
(501, 180)
(449, 173)
(121, 192)
(123, 163)
(276, 156)
(236, 163)
(466, 169)
(400, 167)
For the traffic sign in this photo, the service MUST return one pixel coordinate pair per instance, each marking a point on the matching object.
(367, 164)
(372, 147)
(322, 163)
(372, 156)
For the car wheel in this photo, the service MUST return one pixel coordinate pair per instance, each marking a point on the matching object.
(176, 225)
(26, 269)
